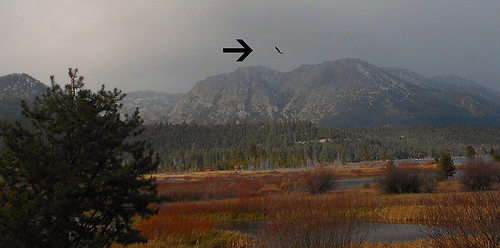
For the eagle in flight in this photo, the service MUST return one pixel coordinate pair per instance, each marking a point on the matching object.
(278, 50)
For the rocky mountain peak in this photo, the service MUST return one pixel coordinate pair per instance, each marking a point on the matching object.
(345, 92)
(20, 85)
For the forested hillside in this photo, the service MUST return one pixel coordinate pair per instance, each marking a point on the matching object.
(298, 144)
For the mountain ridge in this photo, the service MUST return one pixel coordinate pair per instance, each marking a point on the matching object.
(348, 92)
(343, 93)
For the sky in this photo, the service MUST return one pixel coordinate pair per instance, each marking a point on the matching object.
(169, 46)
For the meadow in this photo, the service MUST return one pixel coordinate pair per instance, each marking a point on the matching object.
(195, 205)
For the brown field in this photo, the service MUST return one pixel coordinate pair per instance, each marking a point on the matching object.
(194, 202)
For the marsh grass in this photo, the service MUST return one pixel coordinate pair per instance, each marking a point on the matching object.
(465, 220)
(292, 214)
(310, 229)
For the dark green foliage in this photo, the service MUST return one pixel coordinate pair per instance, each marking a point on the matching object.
(471, 153)
(446, 165)
(436, 158)
(479, 175)
(494, 155)
(300, 144)
(398, 180)
(72, 177)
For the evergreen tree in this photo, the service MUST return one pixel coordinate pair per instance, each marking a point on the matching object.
(446, 165)
(73, 177)
(471, 153)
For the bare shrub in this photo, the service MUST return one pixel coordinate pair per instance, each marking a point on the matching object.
(398, 180)
(320, 180)
(429, 182)
(479, 175)
(310, 229)
(464, 220)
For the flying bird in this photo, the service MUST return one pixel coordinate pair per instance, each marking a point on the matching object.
(278, 50)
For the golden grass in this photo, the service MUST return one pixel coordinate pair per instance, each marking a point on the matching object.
(422, 243)
(362, 170)
(209, 239)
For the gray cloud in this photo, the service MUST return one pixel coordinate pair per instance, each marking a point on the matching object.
(170, 45)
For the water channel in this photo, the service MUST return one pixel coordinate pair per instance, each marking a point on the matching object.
(372, 231)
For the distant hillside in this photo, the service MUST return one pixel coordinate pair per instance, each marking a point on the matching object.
(153, 106)
(342, 93)
(14, 88)
(460, 85)
(17, 87)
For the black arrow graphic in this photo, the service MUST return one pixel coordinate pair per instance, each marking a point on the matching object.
(246, 50)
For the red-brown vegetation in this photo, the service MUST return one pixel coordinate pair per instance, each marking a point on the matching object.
(407, 179)
(408, 164)
(465, 220)
(429, 163)
(305, 228)
(291, 214)
(232, 185)
(162, 225)
(478, 175)
(319, 181)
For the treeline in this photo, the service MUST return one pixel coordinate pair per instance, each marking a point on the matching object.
(298, 144)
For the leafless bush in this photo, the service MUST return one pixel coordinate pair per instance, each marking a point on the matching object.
(311, 229)
(479, 175)
(399, 180)
(465, 220)
(319, 181)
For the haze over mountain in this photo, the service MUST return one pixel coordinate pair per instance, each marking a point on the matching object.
(343, 93)
(168, 46)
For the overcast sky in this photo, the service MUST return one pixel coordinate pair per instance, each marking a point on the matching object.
(171, 45)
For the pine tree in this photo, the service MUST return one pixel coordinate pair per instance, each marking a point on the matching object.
(471, 152)
(73, 177)
(446, 165)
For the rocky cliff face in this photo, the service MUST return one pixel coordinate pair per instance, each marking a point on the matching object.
(246, 94)
(344, 93)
